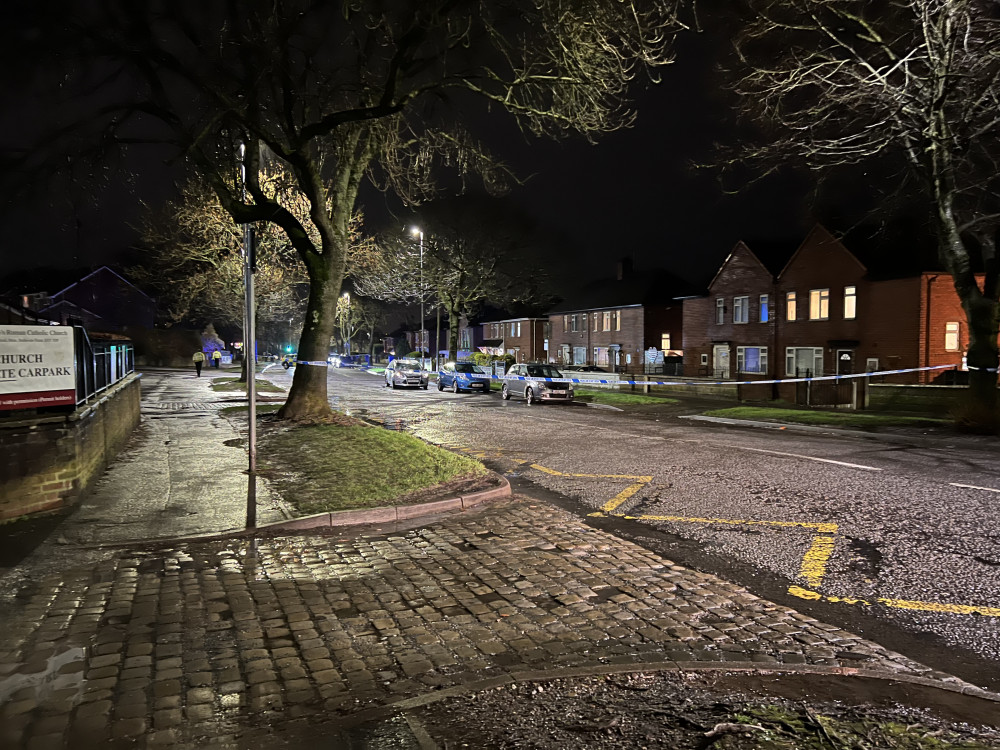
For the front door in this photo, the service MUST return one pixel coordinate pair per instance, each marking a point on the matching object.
(845, 361)
(720, 360)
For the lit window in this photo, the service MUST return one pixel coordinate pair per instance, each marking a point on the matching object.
(819, 304)
(850, 302)
(607, 320)
(751, 359)
(803, 361)
(565, 323)
(791, 307)
(741, 309)
(951, 341)
(617, 317)
(765, 313)
(664, 341)
(597, 321)
(720, 310)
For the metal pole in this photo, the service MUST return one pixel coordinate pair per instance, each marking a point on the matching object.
(250, 356)
(421, 297)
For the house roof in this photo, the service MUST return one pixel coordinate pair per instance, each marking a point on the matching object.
(657, 287)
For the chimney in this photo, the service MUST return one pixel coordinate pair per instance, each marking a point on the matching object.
(624, 268)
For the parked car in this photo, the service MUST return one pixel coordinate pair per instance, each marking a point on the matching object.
(535, 390)
(460, 376)
(582, 368)
(406, 372)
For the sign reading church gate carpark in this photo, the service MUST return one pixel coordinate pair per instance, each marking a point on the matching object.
(36, 366)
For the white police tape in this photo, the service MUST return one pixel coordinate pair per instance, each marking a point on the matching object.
(596, 381)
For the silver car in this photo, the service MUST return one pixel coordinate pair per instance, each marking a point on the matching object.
(520, 381)
(406, 372)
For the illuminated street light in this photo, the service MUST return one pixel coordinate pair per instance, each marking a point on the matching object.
(417, 231)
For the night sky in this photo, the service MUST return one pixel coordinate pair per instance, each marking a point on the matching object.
(634, 194)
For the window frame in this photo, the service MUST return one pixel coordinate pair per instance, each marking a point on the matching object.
(791, 358)
(762, 361)
(953, 328)
(851, 302)
(741, 309)
(791, 307)
(764, 311)
(720, 310)
(665, 337)
(819, 304)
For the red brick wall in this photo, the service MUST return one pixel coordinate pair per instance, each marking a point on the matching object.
(48, 463)
(821, 262)
(631, 335)
(941, 306)
(741, 275)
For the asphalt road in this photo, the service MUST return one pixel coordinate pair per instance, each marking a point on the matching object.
(894, 537)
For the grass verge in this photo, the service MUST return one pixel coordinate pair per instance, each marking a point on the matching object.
(330, 467)
(828, 418)
(617, 398)
(233, 384)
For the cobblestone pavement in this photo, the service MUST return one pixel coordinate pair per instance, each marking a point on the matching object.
(240, 642)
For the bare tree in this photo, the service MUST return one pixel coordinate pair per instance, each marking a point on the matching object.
(341, 93)
(910, 82)
(474, 251)
(193, 260)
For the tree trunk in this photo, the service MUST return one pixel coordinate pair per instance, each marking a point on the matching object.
(982, 313)
(453, 322)
(307, 399)
(983, 356)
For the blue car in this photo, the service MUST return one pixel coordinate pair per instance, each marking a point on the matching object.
(460, 376)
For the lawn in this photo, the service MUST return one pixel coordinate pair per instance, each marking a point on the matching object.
(827, 418)
(234, 384)
(618, 398)
(349, 464)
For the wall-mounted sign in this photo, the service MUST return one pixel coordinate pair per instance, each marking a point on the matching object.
(36, 366)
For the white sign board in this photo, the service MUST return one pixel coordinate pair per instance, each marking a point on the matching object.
(36, 366)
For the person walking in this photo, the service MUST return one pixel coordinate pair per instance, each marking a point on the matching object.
(198, 358)
(216, 358)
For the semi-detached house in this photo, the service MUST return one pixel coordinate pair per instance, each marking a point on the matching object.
(618, 323)
(819, 310)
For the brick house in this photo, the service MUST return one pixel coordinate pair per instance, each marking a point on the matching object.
(820, 311)
(524, 338)
(102, 300)
(615, 323)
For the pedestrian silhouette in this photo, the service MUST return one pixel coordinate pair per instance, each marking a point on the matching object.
(198, 358)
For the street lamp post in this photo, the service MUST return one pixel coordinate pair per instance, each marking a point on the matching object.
(417, 231)
(249, 350)
(347, 324)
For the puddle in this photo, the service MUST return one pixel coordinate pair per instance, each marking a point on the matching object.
(62, 671)
(865, 558)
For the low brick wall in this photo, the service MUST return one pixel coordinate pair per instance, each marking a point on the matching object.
(48, 462)
(931, 400)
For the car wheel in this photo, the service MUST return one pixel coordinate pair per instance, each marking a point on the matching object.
(505, 393)
(424, 386)
(529, 396)
(454, 386)
(440, 386)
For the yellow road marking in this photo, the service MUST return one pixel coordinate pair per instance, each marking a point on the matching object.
(555, 473)
(823, 528)
(622, 496)
(813, 568)
(910, 604)
(814, 561)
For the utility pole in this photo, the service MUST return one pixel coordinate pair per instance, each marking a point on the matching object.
(250, 350)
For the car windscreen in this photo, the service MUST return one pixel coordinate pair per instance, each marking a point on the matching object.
(408, 366)
(543, 371)
(466, 367)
